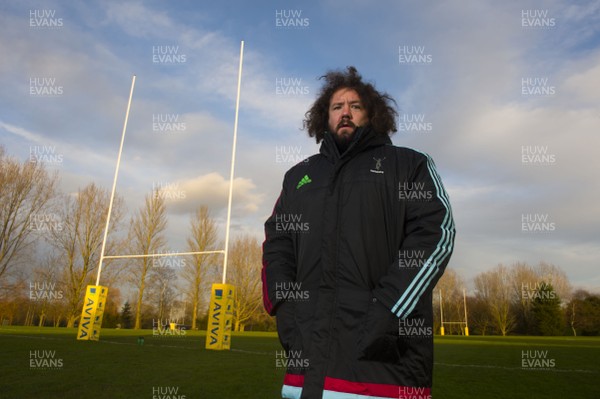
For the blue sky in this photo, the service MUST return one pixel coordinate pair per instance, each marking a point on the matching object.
(497, 83)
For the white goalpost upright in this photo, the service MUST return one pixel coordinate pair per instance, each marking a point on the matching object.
(95, 295)
(222, 295)
(233, 150)
(114, 186)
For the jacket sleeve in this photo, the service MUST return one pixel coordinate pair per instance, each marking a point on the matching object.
(279, 260)
(428, 241)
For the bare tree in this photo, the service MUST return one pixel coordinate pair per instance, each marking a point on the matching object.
(479, 315)
(203, 238)
(147, 236)
(523, 280)
(162, 288)
(78, 241)
(555, 276)
(13, 300)
(494, 287)
(25, 190)
(47, 291)
(571, 314)
(244, 273)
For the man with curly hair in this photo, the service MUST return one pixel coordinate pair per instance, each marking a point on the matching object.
(358, 238)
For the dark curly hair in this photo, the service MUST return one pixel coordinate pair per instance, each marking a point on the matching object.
(379, 106)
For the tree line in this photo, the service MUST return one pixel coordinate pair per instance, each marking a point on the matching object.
(517, 299)
(50, 245)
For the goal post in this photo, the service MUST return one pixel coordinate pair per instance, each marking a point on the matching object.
(222, 295)
(463, 323)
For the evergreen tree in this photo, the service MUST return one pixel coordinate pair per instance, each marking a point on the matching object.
(126, 315)
(547, 315)
(583, 313)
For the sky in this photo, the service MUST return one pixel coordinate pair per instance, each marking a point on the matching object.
(505, 96)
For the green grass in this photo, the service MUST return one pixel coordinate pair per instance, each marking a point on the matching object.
(491, 367)
(117, 367)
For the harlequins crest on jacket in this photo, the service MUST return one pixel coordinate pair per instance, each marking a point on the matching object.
(371, 235)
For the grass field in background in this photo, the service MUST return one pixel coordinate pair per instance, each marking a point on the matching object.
(117, 367)
(492, 367)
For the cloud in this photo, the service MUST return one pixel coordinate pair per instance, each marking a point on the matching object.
(211, 190)
(137, 20)
(78, 154)
(584, 83)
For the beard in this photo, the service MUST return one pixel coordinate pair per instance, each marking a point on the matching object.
(343, 139)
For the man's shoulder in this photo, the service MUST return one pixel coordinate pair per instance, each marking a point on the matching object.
(306, 163)
(305, 167)
(406, 152)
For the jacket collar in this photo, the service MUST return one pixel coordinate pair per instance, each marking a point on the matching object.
(364, 137)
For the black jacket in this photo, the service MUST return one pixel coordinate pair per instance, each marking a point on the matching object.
(353, 249)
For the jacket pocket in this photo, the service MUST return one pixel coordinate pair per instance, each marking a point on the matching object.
(380, 341)
(286, 325)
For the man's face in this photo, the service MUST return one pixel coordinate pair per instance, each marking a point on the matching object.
(346, 113)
